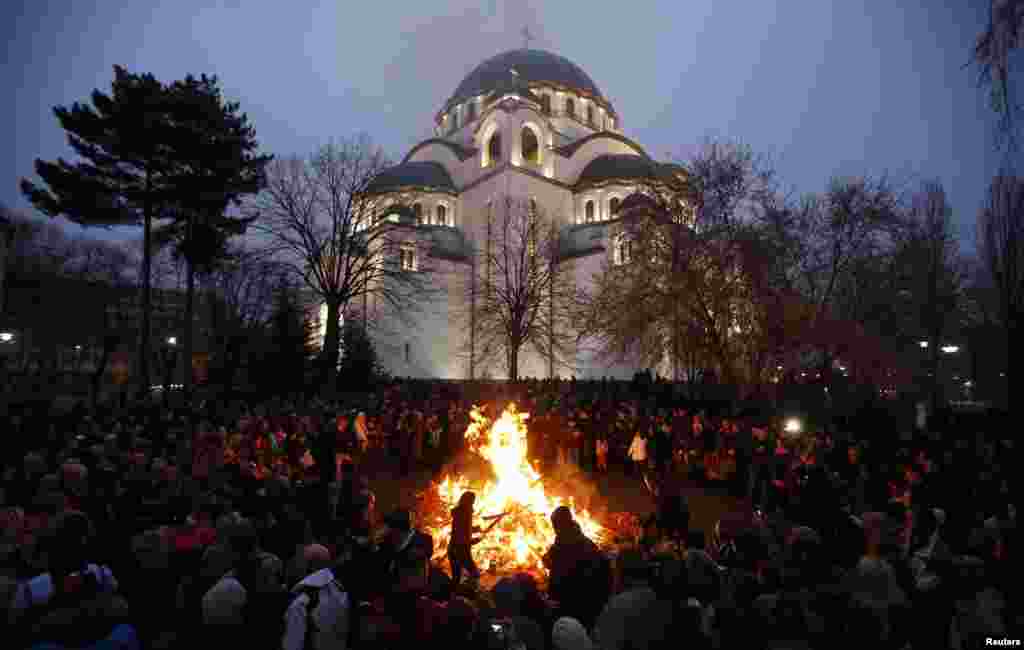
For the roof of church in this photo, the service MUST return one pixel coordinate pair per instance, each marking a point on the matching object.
(620, 165)
(530, 66)
(463, 153)
(412, 174)
(568, 149)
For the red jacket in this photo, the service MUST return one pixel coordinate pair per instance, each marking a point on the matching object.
(392, 623)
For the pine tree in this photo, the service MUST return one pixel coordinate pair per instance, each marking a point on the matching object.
(124, 176)
(214, 167)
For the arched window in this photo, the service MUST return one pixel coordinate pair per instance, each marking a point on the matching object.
(613, 207)
(570, 107)
(545, 104)
(590, 113)
(588, 211)
(442, 215)
(471, 110)
(417, 210)
(494, 149)
(531, 148)
(622, 251)
(533, 206)
(611, 123)
(407, 257)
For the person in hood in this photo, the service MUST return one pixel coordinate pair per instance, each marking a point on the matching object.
(580, 576)
(318, 617)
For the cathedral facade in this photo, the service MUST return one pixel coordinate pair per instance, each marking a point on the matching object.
(527, 125)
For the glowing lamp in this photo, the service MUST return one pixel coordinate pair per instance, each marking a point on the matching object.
(792, 426)
(6, 337)
(923, 344)
(172, 340)
(951, 349)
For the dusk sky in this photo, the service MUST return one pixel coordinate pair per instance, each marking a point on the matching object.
(825, 88)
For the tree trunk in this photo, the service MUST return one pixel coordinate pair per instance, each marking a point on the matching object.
(97, 375)
(933, 365)
(513, 363)
(332, 343)
(147, 263)
(190, 291)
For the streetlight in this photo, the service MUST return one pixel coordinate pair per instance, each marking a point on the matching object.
(6, 337)
(172, 340)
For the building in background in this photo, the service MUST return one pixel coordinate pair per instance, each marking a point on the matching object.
(527, 125)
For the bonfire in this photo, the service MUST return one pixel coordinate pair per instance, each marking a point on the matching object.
(513, 504)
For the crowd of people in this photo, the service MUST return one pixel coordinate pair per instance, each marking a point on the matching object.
(258, 524)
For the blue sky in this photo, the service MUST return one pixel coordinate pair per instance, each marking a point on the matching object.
(823, 87)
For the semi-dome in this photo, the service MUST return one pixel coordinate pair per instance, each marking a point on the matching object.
(415, 174)
(531, 66)
(612, 167)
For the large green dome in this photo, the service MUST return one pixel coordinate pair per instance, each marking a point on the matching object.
(531, 66)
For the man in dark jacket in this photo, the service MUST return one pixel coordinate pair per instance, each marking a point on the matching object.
(579, 574)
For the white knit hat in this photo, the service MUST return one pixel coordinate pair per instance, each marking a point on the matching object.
(569, 634)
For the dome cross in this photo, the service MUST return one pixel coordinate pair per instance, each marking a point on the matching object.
(527, 37)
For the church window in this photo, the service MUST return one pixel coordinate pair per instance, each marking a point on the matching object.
(588, 211)
(545, 104)
(570, 107)
(613, 207)
(407, 257)
(622, 251)
(417, 210)
(590, 113)
(531, 147)
(494, 149)
(471, 110)
(611, 123)
(442, 215)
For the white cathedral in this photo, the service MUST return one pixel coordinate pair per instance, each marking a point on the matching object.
(528, 124)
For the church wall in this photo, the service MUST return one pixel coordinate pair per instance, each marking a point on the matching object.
(425, 346)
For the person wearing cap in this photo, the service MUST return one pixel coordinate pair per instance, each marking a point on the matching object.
(404, 617)
(320, 607)
(579, 574)
(569, 634)
(400, 540)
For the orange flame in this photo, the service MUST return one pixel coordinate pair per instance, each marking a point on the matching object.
(524, 534)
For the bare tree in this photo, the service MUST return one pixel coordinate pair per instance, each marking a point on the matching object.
(934, 274)
(241, 299)
(520, 292)
(839, 236)
(343, 241)
(1001, 245)
(688, 294)
(992, 55)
